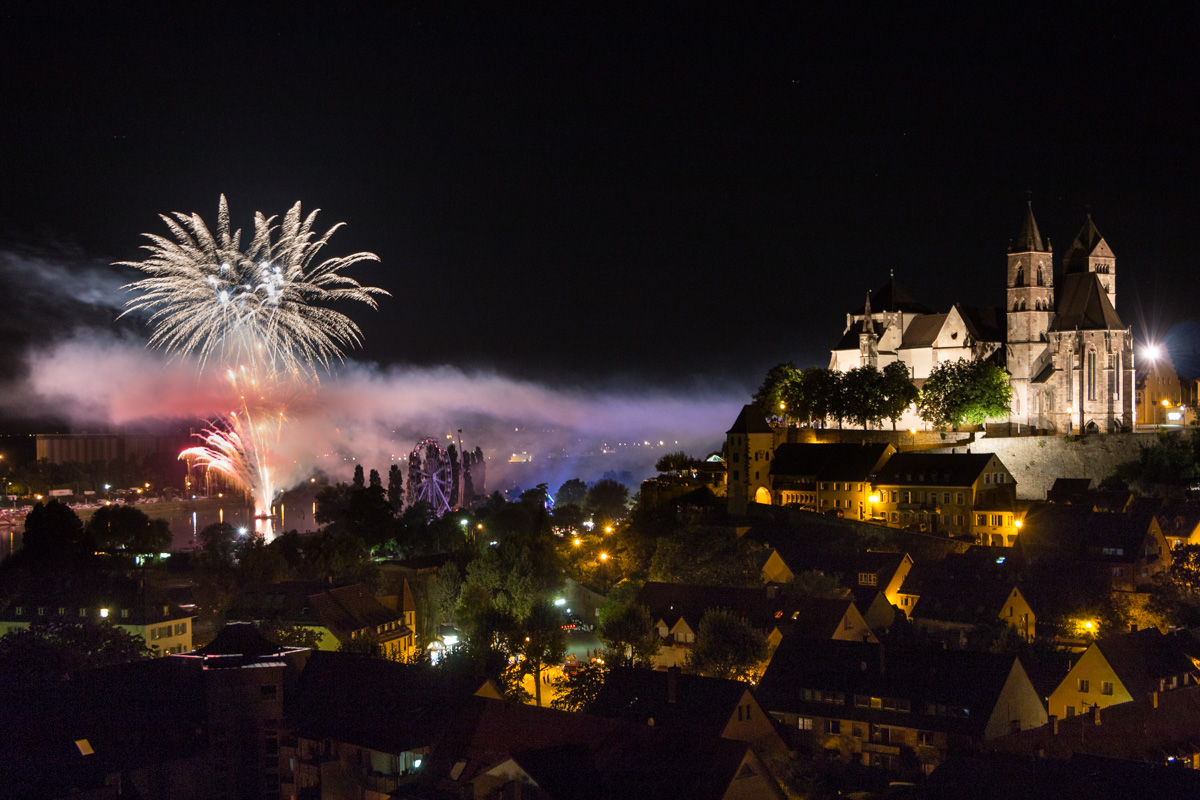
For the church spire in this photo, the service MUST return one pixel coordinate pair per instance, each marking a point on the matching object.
(867, 307)
(1028, 240)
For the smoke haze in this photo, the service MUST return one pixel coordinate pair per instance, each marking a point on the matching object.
(98, 378)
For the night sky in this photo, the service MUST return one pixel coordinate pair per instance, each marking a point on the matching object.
(579, 196)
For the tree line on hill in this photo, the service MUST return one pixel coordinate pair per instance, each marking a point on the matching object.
(956, 393)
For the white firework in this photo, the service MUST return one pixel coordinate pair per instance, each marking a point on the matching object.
(263, 313)
(265, 307)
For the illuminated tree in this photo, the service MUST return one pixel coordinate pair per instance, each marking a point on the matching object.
(630, 636)
(899, 392)
(965, 393)
(727, 646)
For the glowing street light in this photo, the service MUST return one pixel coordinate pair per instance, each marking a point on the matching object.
(604, 556)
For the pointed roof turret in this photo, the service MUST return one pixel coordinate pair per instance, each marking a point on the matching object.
(1086, 243)
(867, 306)
(1028, 240)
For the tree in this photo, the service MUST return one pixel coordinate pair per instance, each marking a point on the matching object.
(1166, 468)
(899, 392)
(443, 592)
(121, 527)
(727, 646)
(823, 393)
(675, 462)
(573, 491)
(289, 635)
(608, 498)
(814, 583)
(375, 481)
(359, 480)
(542, 641)
(777, 392)
(578, 689)
(53, 648)
(53, 533)
(965, 393)
(395, 488)
(707, 556)
(863, 398)
(218, 545)
(629, 634)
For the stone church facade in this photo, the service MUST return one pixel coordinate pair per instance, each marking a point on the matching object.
(1069, 355)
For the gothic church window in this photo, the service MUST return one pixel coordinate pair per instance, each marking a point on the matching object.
(1091, 374)
(1020, 276)
(1040, 280)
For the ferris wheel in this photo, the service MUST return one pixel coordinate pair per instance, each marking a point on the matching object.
(429, 476)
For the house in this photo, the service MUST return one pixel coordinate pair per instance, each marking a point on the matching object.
(498, 749)
(1119, 551)
(144, 612)
(750, 444)
(966, 591)
(399, 712)
(670, 699)
(1129, 666)
(867, 702)
(340, 616)
(676, 610)
(1179, 524)
(872, 569)
(1160, 729)
(142, 726)
(959, 494)
(826, 477)
(1002, 776)
(1069, 490)
(206, 724)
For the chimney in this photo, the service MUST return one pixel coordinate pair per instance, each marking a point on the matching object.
(672, 684)
(1096, 715)
(1054, 724)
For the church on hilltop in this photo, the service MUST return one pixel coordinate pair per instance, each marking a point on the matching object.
(1069, 355)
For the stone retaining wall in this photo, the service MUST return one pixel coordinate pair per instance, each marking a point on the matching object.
(1036, 461)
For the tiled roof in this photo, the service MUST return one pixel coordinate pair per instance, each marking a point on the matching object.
(704, 705)
(830, 462)
(750, 420)
(582, 756)
(932, 469)
(241, 639)
(351, 608)
(985, 323)
(891, 296)
(917, 672)
(1142, 658)
(128, 601)
(670, 601)
(1083, 305)
(923, 330)
(395, 706)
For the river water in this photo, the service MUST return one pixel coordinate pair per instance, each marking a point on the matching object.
(186, 520)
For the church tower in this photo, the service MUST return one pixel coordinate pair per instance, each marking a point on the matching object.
(1029, 311)
(1090, 253)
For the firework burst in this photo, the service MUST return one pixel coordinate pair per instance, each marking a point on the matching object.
(261, 313)
(265, 307)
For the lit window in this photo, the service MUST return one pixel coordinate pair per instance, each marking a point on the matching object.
(1083, 684)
